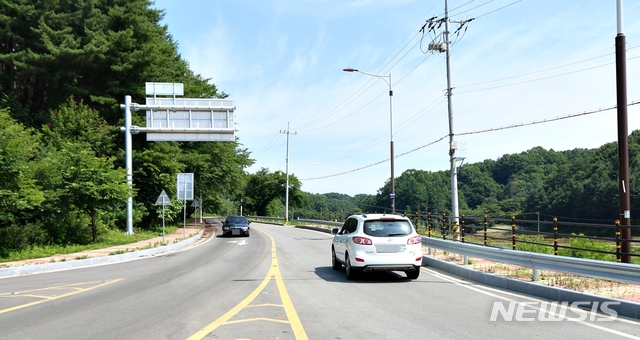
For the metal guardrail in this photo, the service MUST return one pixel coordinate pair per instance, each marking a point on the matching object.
(592, 268)
(275, 220)
(321, 222)
(329, 223)
(266, 218)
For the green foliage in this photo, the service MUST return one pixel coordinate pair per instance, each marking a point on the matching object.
(66, 67)
(264, 186)
(18, 189)
(318, 206)
(576, 184)
(77, 122)
(107, 239)
(420, 190)
(275, 208)
(585, 245)
(19, 192)
(534, 248)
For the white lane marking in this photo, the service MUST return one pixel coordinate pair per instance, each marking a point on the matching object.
(458, 282)
(240, 243)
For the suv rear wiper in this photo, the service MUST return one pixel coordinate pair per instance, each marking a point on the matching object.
(397, 234)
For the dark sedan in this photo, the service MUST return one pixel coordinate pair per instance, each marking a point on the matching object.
(236, 226)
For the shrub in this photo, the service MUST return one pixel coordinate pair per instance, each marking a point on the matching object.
(586, 247)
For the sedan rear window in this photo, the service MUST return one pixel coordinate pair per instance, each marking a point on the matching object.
(237, 220)
(384, 228)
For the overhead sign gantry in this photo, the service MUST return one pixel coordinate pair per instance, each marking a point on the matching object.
(178, 120)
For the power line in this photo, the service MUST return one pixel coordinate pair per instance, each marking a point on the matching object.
(276, 149)
(268, 145)
(370, 144)
(534, 72)
(364, 87)
(351, 98)
(544, 78)
(358, 93)
(573, 115)
(342, 105)
(480, 16)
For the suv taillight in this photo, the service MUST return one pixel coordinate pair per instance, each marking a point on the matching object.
(362, 240)
(414, 240)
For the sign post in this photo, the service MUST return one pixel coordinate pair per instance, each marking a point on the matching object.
(196, 204)
(163, 200)
(185, 192)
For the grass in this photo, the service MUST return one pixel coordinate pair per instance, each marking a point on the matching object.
(106, 240)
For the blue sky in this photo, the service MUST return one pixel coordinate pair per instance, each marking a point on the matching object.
(517, 63)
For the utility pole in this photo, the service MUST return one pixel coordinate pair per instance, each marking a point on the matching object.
(286, 195)
(453, 145)
(623, 139)
(445, 46)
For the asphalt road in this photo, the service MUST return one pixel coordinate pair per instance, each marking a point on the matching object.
(276, 284)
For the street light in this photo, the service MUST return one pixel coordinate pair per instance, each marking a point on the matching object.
(393, 181)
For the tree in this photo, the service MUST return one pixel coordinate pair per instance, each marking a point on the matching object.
(90, 183)
(65, 67)
(477, 185)
(18, 189)
(410, 192)
(19, 192)
(77, 122)
(264, 186)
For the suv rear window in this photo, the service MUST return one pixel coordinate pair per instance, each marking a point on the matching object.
(385, 228)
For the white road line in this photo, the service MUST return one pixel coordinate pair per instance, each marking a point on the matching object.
(481, 291)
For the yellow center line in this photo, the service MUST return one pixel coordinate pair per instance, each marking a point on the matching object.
(257, 319)
(47, 299)
(274, 272)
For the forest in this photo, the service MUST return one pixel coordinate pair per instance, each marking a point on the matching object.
(65, 67)
(574, 185)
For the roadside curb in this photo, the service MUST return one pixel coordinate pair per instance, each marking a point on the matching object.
(625, 308)
(40, 268)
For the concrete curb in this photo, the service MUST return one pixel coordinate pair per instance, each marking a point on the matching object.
(40, 268)
(625, 308)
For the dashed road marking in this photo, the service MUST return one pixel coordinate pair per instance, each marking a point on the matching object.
(42, 296)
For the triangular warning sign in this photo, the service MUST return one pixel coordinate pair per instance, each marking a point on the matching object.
(163, 199)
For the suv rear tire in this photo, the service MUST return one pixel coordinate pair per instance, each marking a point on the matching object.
(334, 261)
(412, 275)
(351, 273)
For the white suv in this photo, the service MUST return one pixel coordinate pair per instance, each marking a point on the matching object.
(377, 242)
